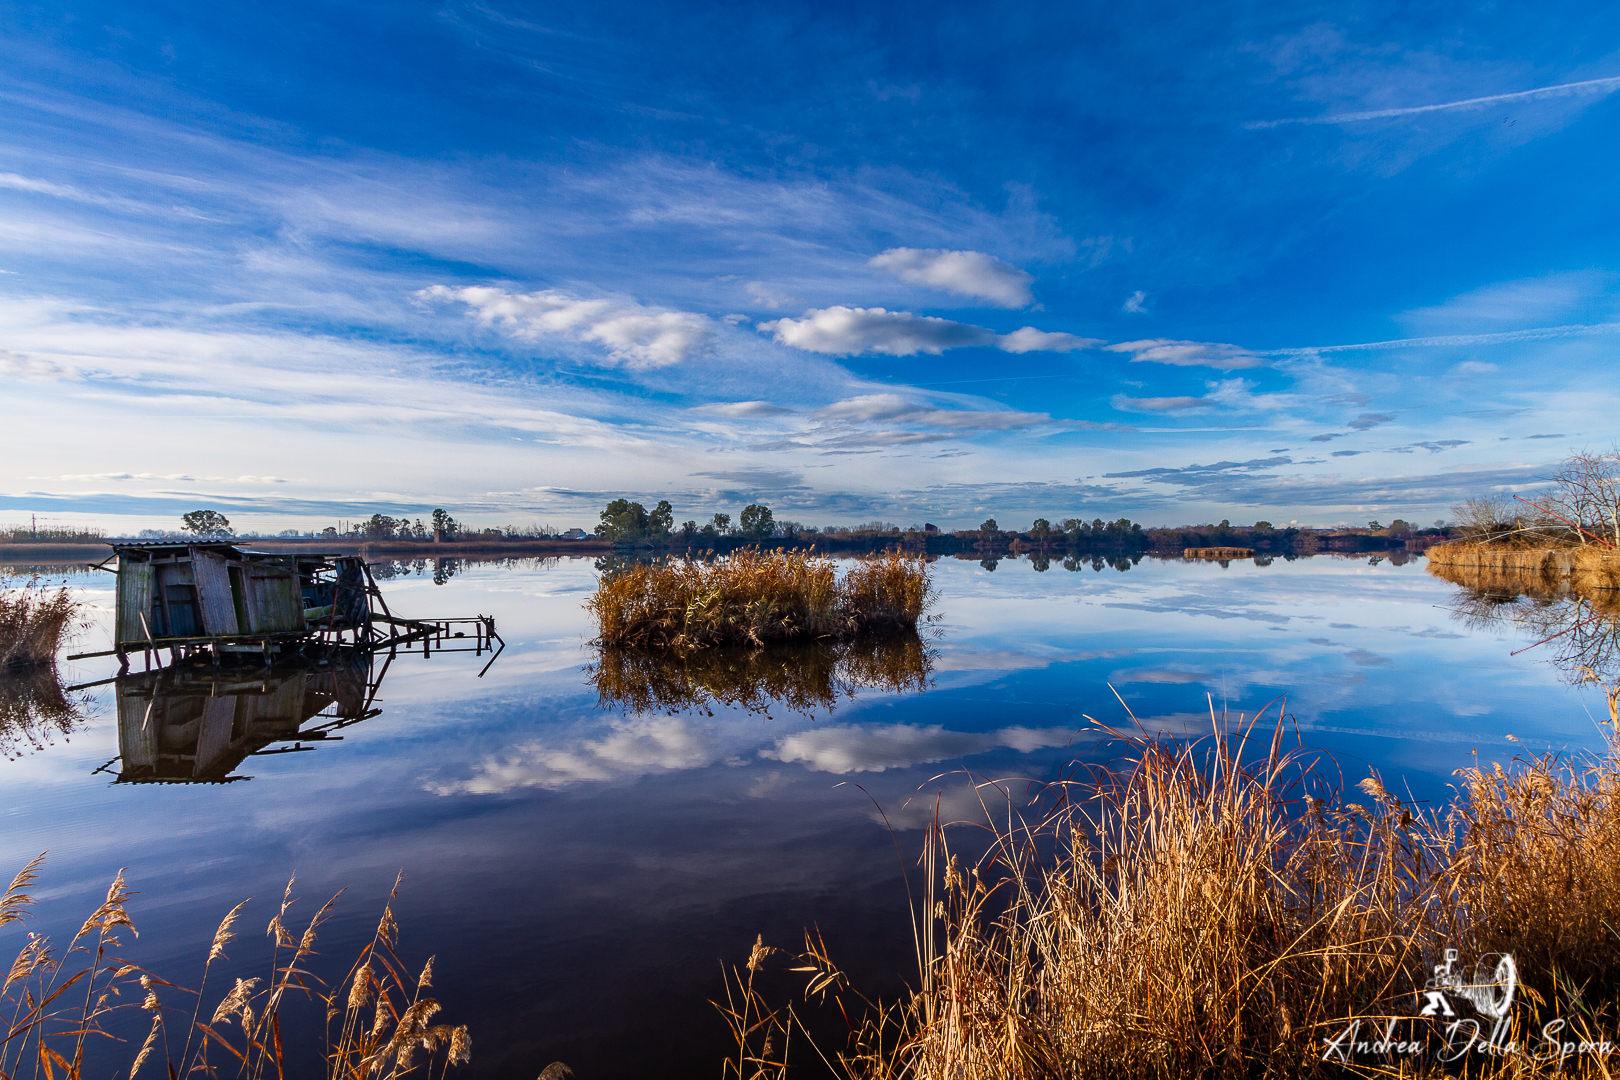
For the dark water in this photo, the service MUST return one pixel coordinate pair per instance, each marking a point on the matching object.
(582, 871)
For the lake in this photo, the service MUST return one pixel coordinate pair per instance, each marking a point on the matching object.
(581, 869)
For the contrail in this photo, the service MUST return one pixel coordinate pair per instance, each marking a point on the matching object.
(1590, 86)
(1540, 333)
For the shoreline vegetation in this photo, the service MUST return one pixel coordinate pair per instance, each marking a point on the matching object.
(630, 528)
(1218, 909)
(752, 597)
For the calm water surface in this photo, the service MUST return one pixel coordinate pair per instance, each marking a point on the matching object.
(581, 871)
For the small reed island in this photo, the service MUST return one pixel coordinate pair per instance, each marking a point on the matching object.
(752, 598)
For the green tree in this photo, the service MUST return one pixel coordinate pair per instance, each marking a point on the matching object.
(1263, 526)
(689, 530)
(380, 527)
(1041, 529)
(661, 522)
(623, 520)
(722, 524)
(989, 526)
(756, 521)
(207, 523)
(1374, 525)
(443, 522)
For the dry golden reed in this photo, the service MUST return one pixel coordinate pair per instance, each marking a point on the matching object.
(51, 1004)
(35, 620)
(751, 597)
(1214, 911)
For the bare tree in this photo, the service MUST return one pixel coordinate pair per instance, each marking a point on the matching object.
(1485, 516)
(1588, 493)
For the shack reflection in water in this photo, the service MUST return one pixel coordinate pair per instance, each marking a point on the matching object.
(196, 725)
(800, 676)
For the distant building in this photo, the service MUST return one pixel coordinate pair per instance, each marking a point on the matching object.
(575, 534)
(930, 528)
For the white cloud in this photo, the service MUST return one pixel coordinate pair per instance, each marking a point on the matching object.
(1189, 353)
(1135, 304)
(853, 748)
(894, 409)
(960, 273)
(1473, 367)
(768, 296)
(1226, 394)
(1179, 403)
(847, 331)
(630, 747)
(1029, 339)
(17, 366)
(742, 409)
(637, 336)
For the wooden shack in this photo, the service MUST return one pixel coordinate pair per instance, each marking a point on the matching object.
(183, 595)
(216, 598)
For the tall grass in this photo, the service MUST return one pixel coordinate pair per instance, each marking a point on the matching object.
(35, 621)
(752, 597)
(1207, 912)
(377, 1017)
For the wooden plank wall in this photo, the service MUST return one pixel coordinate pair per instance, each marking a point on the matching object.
(218, 610)
(134, 600)
(275, 603)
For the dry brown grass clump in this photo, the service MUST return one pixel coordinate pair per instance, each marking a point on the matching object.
(35, 620)
(378, 1020)
(1199, 915)
(751, 597)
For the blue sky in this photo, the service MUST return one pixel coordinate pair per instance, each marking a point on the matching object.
(1179, 262)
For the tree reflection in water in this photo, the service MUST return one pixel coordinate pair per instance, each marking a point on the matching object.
(803, 677)
(1577, 631)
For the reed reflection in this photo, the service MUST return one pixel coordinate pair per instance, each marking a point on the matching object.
(197, 724)
(35, 710)
(799, 676)
(1577, 630)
